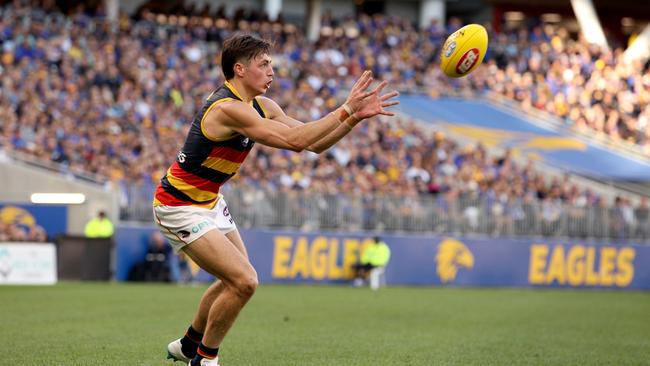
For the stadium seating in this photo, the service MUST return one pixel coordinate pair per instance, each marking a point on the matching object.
(117, 102)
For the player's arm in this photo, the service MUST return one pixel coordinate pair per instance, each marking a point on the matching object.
(374, 105)
(242, 118)
(276, 113)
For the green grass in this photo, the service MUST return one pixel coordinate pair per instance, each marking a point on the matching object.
(123, 324)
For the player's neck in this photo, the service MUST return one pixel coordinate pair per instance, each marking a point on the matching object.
(240, 90)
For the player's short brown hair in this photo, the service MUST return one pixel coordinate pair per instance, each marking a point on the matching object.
(241, 48)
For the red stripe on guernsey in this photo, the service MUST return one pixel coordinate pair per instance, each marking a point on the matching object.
(229, 154)
(167, 198)
(194, 180)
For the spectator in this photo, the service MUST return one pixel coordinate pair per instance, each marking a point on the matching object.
(157, 266)
(17, 233)
(99, 227)
(374, 260)
(16, 229)
(642, 217)
(184, 269)
(4, 232)
(37, 234)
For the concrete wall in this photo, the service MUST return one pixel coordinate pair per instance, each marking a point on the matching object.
(19, 180)
(295, 10)
(403, 9)
(338, 8)
(131, 6)
(231, 6)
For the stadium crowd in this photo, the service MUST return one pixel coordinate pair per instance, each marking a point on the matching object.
(15, 232)
(116, 100)
(588, 88)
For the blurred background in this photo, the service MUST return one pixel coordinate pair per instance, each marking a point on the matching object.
(534, 171)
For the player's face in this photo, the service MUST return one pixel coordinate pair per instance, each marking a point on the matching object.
(259, 73)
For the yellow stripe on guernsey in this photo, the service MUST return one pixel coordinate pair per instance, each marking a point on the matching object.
(221, 165)
(233, 90)
(259, 102)
(191, 191)
(214, 104)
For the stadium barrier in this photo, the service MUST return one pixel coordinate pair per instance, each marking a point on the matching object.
(85, 259)
(467, 214)
(295, 257)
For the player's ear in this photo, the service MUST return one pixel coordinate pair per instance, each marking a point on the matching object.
(239, 69)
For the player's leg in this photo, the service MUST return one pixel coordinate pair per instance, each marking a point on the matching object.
(366, 271)
(214, 290)
(216, 254)
(236, 239)
(225, 224)
(192, 338)
(184, 349)
(357, 281)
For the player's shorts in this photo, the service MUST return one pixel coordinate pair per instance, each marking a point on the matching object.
(181, 225)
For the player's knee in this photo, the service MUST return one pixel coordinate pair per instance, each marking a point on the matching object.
(245, 287)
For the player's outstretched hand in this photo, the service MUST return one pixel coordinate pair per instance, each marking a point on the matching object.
(358, 92)
(374, 103)
(367, 104)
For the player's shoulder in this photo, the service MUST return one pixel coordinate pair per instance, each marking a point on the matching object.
(266, 101)
(271, 107)
(235, 112)
(224, 104)
(233, 105)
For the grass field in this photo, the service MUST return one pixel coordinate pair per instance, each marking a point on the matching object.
(124, 324)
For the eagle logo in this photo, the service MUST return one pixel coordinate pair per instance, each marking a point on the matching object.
(16, 215)
(452, 255)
